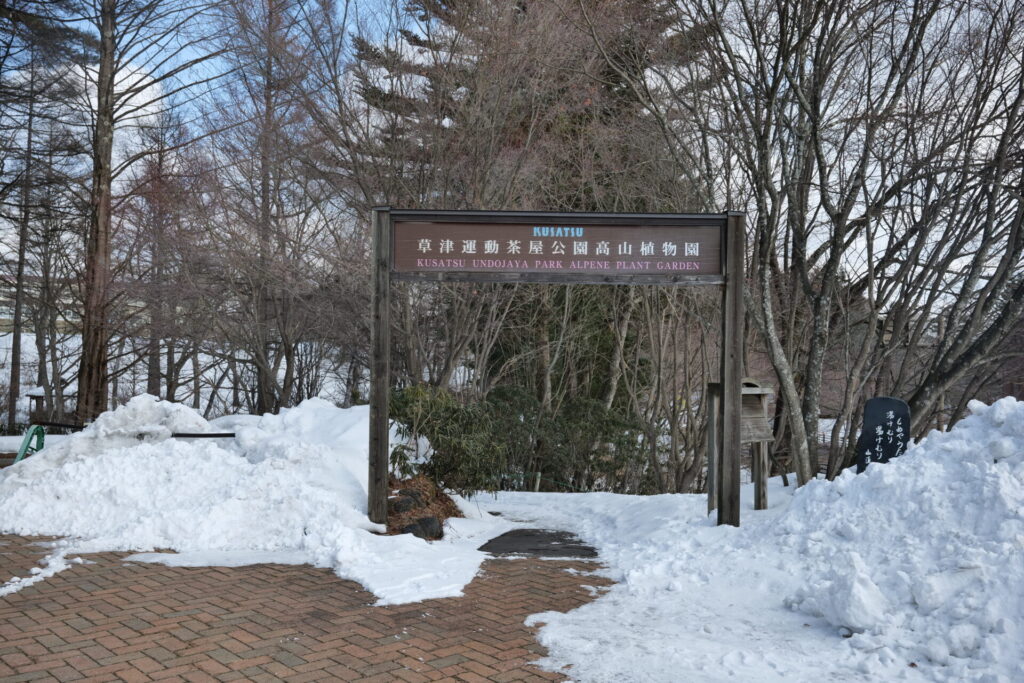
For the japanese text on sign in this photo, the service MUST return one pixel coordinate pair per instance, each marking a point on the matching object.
(515, 248)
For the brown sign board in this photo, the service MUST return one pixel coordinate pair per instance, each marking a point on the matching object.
(594, 248)
(630, 250)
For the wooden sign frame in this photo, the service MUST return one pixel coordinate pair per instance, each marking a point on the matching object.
(727, 232)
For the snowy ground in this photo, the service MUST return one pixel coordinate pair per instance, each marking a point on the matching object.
(912, 571)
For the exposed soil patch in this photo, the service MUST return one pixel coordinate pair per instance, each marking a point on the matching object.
(419, 507)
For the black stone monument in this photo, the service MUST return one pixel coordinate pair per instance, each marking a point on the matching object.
(885, 433)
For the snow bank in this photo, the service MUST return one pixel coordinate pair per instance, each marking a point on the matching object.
(925, 556)
(288, 488)
(913, 570)
(144, 419)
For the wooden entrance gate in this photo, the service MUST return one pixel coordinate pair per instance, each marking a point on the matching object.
(561, 248)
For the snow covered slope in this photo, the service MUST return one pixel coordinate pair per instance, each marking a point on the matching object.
(288, 488)
(913, 570)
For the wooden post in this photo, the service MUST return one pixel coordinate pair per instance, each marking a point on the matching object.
(380, 366)
(714, 446)
(759, 455)
(731, 408)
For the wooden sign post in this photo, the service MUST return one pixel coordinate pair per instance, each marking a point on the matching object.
(560, 248)
(755, 430)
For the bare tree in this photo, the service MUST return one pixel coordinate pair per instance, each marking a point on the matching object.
(146, 53)
(851, 130)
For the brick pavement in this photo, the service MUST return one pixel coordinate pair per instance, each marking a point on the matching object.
(117, 621)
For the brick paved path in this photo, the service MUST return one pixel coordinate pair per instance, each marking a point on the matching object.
(112, 620)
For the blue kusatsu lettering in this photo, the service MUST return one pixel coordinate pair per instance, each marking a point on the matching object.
(556, 231)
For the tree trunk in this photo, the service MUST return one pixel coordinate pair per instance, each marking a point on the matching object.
(172, 372)
(764, 316)
(196, 379)
(153, 365)
(264, 378)
(19, 278)
(615, 365)
(92, 374)
(544, 344)
(42, 373)
(157, 317)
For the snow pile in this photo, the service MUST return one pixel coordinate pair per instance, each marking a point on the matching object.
(144, 419)
(288, 488)
(926, 555)
(913, 570)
